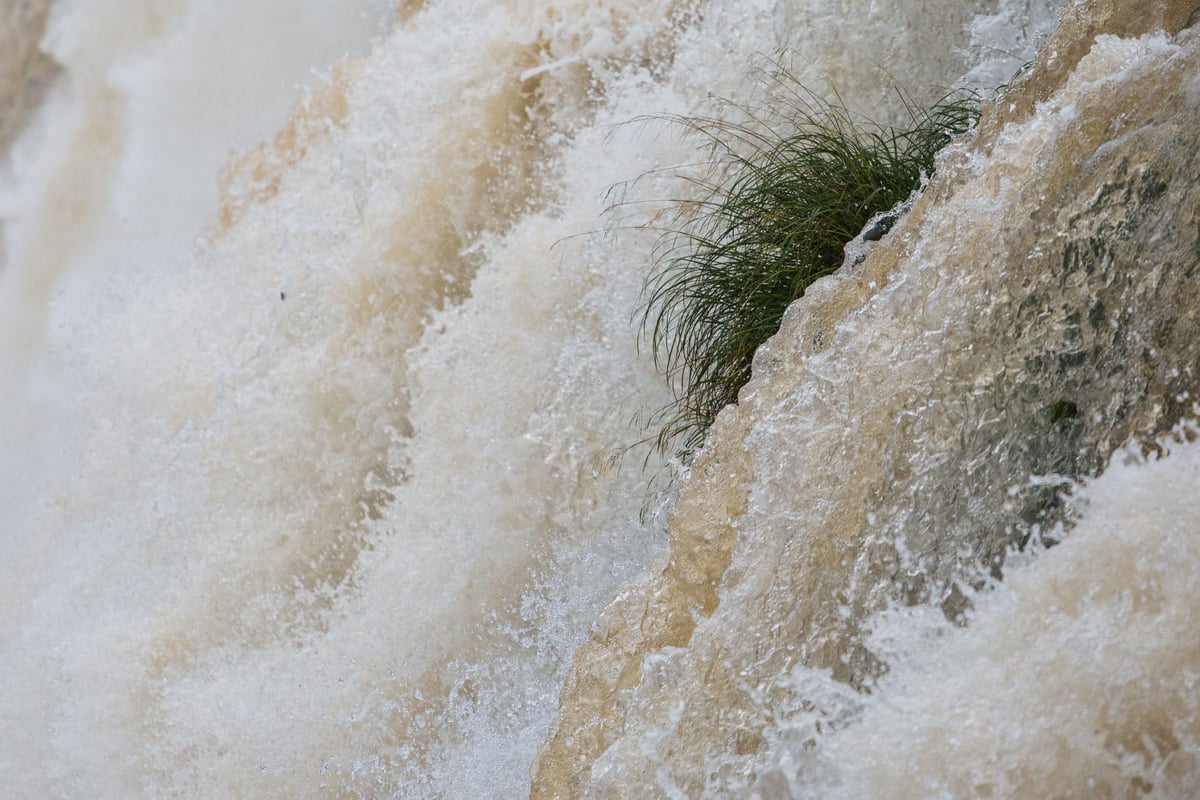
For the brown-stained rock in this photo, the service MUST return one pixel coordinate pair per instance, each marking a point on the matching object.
(25, 71)
(883, 449)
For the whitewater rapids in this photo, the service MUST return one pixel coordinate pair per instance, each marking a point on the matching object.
(318, 340)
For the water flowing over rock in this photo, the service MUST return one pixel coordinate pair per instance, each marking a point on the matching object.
(918, 415)
(318, 341)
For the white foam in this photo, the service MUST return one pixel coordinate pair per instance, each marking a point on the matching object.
(1077, 671)
(317, 506)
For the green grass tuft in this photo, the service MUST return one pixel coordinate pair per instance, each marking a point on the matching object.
(776, 217)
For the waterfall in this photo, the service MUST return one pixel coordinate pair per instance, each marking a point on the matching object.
(324, 396)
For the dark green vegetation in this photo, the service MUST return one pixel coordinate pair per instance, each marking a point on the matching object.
(777, 217)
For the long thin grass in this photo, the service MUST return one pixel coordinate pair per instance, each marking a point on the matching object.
(777, 218)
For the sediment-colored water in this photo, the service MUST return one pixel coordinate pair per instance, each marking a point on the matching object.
(318, 335)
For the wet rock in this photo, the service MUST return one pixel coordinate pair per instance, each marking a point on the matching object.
(916, 418)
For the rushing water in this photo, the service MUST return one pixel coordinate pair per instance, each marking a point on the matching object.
(317, 341)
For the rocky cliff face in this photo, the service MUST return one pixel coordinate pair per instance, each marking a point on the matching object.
(917, 415)
(24, 70)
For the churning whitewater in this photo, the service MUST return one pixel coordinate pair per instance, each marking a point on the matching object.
(322, 388)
